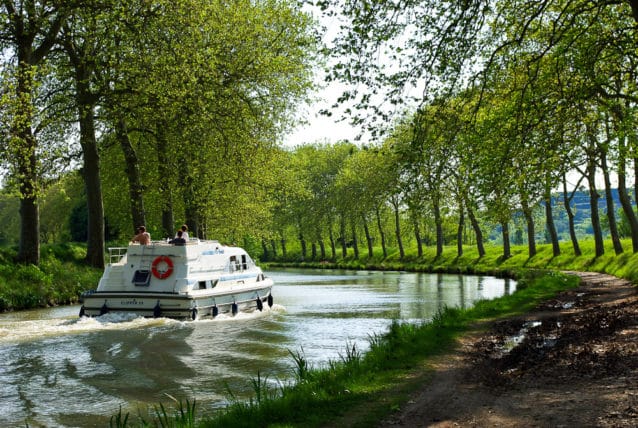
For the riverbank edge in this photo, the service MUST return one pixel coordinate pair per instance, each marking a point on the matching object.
(362, 389)
(492, 262)
(574, 364)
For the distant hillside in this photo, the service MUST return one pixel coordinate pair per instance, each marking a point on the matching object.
(582, 211)
(582, 218)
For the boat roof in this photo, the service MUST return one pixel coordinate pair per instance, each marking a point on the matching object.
(192, 248)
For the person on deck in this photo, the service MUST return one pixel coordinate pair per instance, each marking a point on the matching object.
(179, 238)
(184, 230)
(142, 237)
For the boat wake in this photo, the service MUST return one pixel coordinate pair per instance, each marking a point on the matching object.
(30, 330)
(21, 330)
(245, 315)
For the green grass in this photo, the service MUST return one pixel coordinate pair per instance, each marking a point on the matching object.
(624, 265)
(59, 279)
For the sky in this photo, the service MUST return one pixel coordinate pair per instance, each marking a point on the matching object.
(320, 128)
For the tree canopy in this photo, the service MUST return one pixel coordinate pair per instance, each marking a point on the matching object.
(173, 112)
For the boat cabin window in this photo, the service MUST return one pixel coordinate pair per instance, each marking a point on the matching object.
(244, 264)
(234, 264)
(214, 283)
(202, 285)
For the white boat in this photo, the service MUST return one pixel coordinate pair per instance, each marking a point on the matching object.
(196, 280)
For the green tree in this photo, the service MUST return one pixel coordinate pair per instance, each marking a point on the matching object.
(395, 181)
(58, 200)
(9, 218)
(325, 206)
(199, 102)
(446, 48)
(28, 32)
(84, 40)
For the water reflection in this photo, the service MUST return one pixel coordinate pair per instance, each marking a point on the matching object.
(58, 370)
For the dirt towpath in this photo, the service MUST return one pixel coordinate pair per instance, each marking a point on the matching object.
(571, 362)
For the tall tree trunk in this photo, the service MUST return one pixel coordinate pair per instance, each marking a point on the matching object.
(344, 240)
(549, 221)
(25, 149)
(438, 221)
(625, 202)
(85, 102)
(164, 168)
(593, 201)
(304, 250)
(381, 233)
(611, 214)
(273, 245)
(93, 185)
(41, 24)
(567, 200)
(417, 236)
(132, 168)
(355, 241)
(313, 250)
(191, 209)
(322, 249)
(193, 221)
(366, 229)
(191, 212)
(531, 230)
(29, 250)
(477, 230)
(202, 231)
(459, 230)
(264, 250)
(397, 228)
(505, 229)
(284, 250)
(333, 245)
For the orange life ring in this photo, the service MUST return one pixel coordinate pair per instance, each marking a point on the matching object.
(162, 274)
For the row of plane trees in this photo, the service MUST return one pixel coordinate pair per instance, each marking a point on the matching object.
(177, 111)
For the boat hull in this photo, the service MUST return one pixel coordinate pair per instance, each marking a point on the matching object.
(188, 281)
(179, 306)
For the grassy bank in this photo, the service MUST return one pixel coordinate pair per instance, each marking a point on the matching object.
(59, 280)
(624, 265)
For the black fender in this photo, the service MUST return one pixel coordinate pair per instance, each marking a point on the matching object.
(157, 311)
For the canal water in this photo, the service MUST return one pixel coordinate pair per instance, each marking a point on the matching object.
(57, 370)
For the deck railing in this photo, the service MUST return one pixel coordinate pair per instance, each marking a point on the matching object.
(116, 254)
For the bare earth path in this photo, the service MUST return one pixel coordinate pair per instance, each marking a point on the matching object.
(572, 362)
